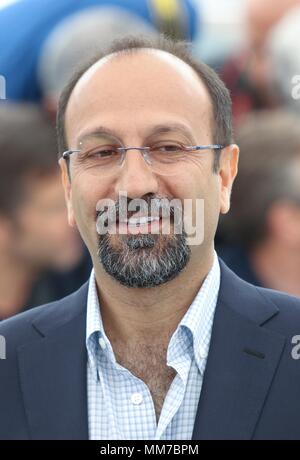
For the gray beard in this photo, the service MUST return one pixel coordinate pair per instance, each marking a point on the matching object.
(144, 260)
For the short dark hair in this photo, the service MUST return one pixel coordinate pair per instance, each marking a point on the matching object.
(219, 94)
(269, 143)
(27, 148)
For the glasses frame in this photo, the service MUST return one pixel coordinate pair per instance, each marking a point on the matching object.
(144, 150)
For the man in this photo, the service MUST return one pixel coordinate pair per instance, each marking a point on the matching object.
(263, 226)
(164, 342)
(40, 255)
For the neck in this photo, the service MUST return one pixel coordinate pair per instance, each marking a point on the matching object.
(277, 266)
(150, 314)
(16, 280)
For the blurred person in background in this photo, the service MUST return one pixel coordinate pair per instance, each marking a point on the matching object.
(26, 25)
(78, 38)
(247, 74)
(41, 257)
(284, 51)
(264, 223)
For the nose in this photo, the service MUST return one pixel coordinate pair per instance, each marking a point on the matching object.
(136, 176)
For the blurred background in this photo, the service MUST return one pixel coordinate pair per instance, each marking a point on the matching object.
(254, 45)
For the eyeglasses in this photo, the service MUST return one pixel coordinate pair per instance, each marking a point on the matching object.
(162, 158)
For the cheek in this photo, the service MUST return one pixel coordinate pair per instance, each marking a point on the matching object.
(203, 191)
(197, 190)
(187, 184)
(85, 196)
(82, 204)
(212, 198)
(195, 182)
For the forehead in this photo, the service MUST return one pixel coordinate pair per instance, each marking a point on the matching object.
(129, 92)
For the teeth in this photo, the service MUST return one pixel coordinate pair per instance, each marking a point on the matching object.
(141, 220)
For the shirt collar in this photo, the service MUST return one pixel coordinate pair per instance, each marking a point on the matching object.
(94, 320)
(194, 328)
(94, 326)
(196, 325)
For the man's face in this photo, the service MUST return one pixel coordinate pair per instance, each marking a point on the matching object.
(131, 95)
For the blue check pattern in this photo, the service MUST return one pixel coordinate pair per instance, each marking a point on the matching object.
(120, 405)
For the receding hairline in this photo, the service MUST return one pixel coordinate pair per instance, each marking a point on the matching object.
(115, 55)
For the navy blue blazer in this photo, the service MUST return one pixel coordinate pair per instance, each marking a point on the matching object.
(251, 386)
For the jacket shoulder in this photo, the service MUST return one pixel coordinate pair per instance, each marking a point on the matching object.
(20, 328)
(261, 305)
(288, 305)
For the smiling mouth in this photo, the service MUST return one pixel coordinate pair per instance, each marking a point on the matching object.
(139, 220)
(139, 224)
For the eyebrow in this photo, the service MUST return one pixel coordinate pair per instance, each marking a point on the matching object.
(156, 129)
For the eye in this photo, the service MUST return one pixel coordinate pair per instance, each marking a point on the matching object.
(167, 148)
(102, 152)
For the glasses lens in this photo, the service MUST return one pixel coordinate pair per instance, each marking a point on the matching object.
(105, 160)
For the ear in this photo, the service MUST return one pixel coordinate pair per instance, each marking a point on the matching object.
(227, 172)
(66, 181)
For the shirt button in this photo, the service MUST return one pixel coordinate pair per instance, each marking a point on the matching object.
(202, 353)
(102, 343)
(136, 398)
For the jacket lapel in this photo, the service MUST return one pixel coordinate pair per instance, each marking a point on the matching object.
(53, 371)
(242, 360)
